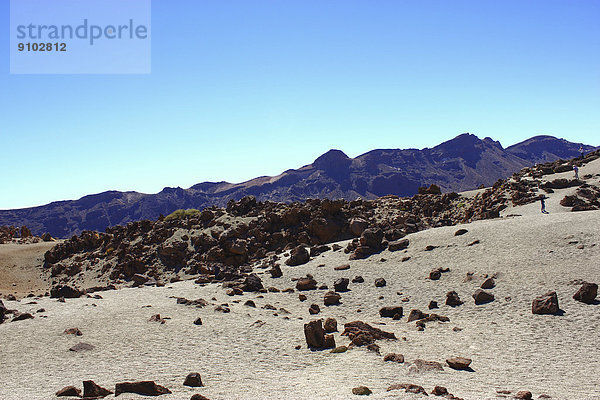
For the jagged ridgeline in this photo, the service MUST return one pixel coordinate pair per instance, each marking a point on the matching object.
(463, 163)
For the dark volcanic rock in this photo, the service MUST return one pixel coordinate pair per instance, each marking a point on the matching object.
(307, 283)
(66, 292)
(92, 390)
(482, 297)
(587, 293)
(546, 304)
(380, 282)
(69, 391)
(330, 325)
(331, 298)
(298, 256)
(193, 379)
(460, 363)
(460, 232)
(252, 283)
(489, 283)
(399, 358)
(452, 299)
(316, 337)
(341, 285)
(390, 312)
(146, 388)
(398, 245)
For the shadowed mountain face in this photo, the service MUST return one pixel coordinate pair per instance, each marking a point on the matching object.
(462, 163)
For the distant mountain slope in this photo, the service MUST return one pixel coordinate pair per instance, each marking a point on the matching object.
(462, 163)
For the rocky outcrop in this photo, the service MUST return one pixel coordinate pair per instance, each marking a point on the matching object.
(92, 390)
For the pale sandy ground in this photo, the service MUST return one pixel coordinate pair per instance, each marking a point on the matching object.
(511, 348)
(20, 268)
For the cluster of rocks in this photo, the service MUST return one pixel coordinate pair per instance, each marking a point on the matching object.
(92, 390)
(548, 303)
(16, 315)
(9, 234)
(220, 244)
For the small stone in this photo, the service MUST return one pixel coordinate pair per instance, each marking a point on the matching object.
(460, 232)
(459, 363)
(198, 321)
(358, 279)
(432, 305)
(361, 391)
(314, 309)
(439, 390)
(73, 331)
(394, 357)
(82, 347)
(380, 282)
(489, 283)
(331, 298)
(302, 297)
(339, 349)
(523, 395)
(587, 293)
(482, 297)
(193, 379)
(330, 325)
(342, 267)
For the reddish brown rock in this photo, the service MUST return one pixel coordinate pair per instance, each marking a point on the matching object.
(331, 298)
(69, 391)
(145, 388)
(524, 395)
(394, 357)
(199, 397)
(73, 331)
(193, 380)
(298, 256)
(307, 283)
(546, 304)
(482, 297)
(587, 293)
(452, 299)
(380, 282)
(459, 363)
(315, 336)
(330, 325)
(408, 388)
(390, 312)
(91, 389)
(489, 283)
(439, 391)
(398, 245)
(314, 309)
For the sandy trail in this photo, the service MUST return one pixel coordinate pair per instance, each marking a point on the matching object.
(239, 358)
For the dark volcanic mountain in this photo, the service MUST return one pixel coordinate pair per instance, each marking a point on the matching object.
(462, 163)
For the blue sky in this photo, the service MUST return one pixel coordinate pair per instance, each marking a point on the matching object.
(245, 88)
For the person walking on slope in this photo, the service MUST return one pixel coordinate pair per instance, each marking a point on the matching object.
(576, 170)
(543, 201)
(581, 151)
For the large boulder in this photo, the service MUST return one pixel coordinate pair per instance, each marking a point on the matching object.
(145, 388)
(371, 238)
(298, 256)
(546, 304)
(586, 294)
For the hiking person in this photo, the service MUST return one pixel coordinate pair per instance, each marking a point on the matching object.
(543, 201)
(576, 170)
(581, 151)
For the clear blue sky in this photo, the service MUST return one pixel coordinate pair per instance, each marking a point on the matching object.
(245, 88)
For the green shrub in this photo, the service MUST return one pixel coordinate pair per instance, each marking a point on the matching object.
(182, 214)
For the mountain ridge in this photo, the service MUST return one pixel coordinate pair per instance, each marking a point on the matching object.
(459, 164)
